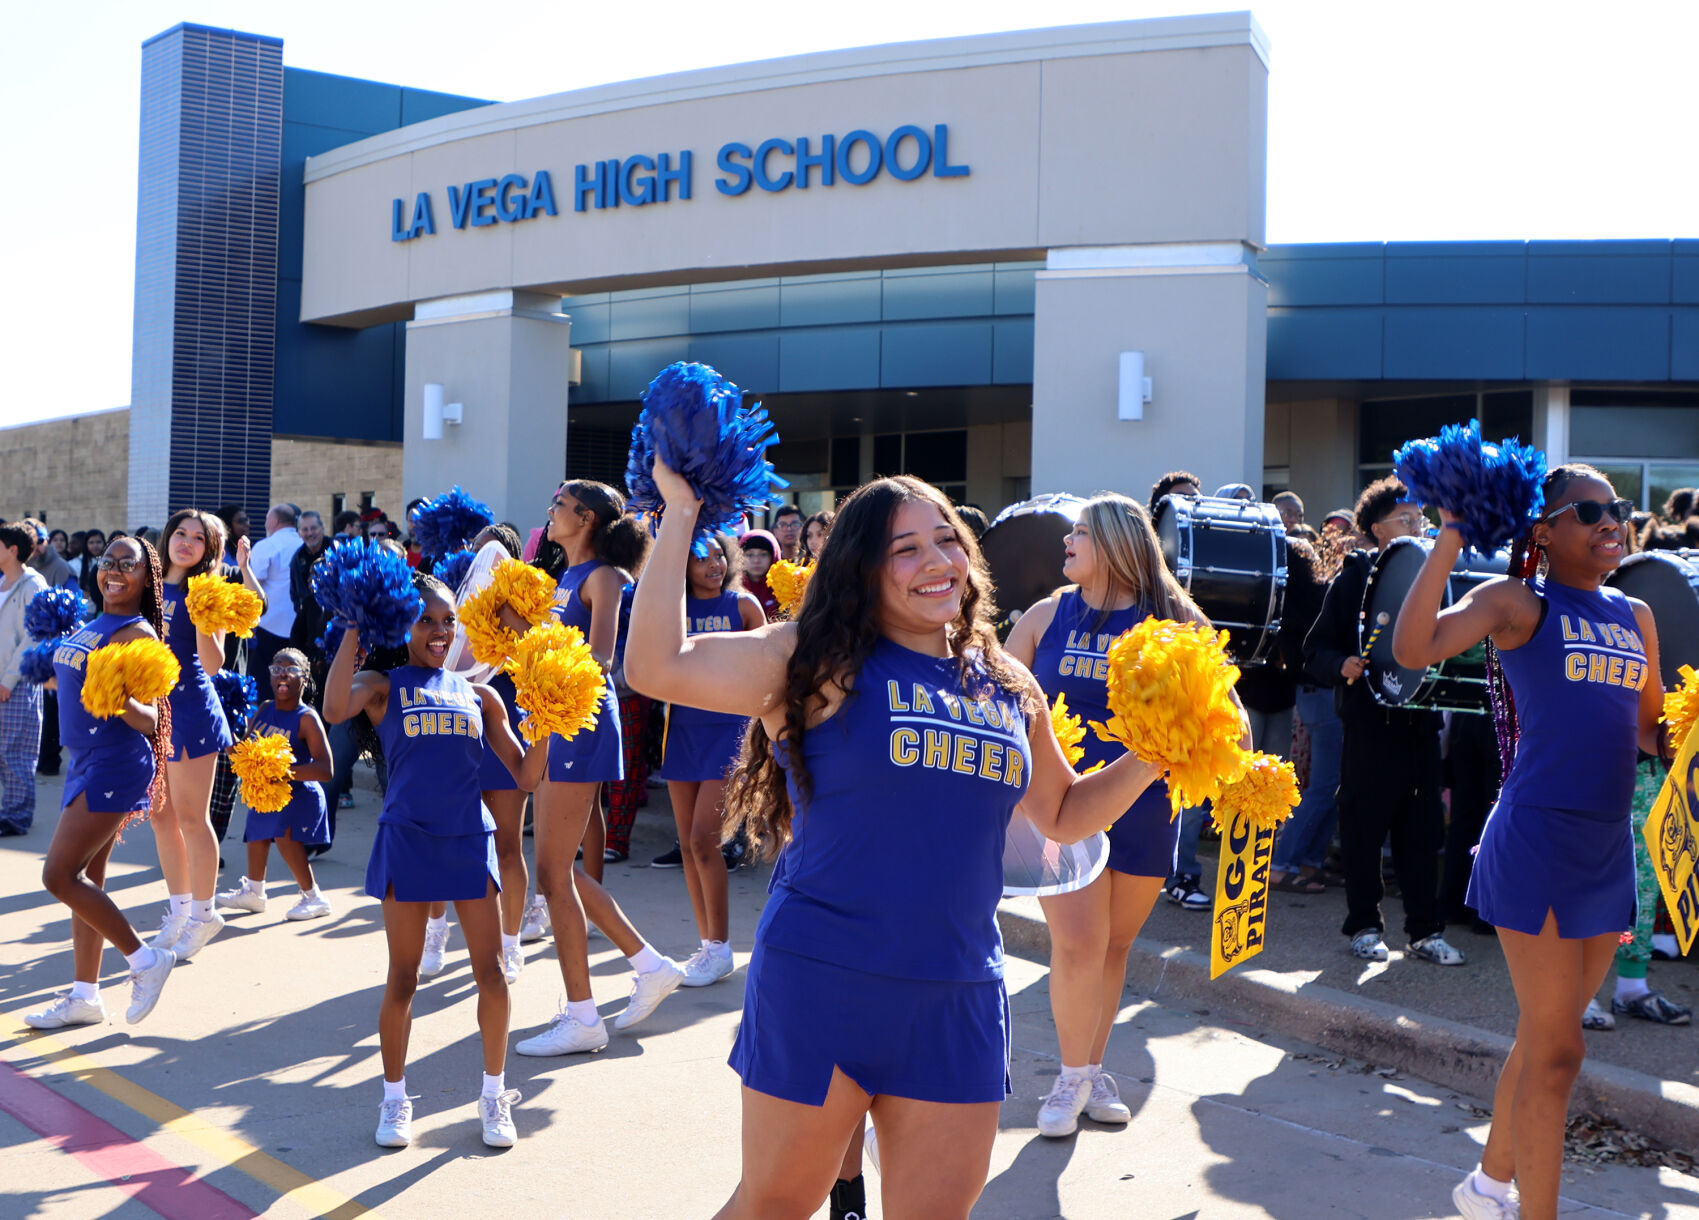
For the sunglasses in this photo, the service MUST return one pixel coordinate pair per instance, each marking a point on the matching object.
(1591, 512)
(126, 565)
(281, 671)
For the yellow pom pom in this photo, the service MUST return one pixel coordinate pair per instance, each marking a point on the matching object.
(1264, 795)
(217, 605)
(527, 590)
(264, 763)
(141, 669)
(1681, 707)
(557, 680)
(1171, 703)
(789, 582)
(1069, 732)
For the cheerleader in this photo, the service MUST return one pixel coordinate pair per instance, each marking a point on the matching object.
(600, 543)
(698, 750)
(1555, 869)
(904, 737)
(1119, 579)
(435, 841)
(182, 829)
(305, 821)
(117, 772)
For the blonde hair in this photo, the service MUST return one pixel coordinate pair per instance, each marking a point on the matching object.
(1126, 545)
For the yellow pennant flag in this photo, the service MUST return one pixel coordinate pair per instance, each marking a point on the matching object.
(1241, 894)
(1672, 838)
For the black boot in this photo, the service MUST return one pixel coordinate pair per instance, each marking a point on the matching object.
(849, 1198)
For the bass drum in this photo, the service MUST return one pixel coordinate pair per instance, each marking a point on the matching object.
(1230, 555)
(1668, 582)
(1458, 684)
(1023, 548)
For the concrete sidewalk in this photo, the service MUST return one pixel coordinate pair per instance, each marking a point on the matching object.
(1449, 1025)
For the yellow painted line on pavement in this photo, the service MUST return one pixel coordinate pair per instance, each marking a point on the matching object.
(233, 1151)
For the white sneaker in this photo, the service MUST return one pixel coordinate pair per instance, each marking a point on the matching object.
(436, 943)
(247, 896)
(651, 987)
(395, 1124)
(1596, 1017)
(311, 906)
(169, 930)
(708, 966)
(1105, 1104)
(1369, 946)
(512, 962)
(1059, 1114)
(565, 1037)
(68, 1009)
(536, 924)
(1471, 1204)
(196, 934)
(497, 1115)
(1436, 949)
(147, 983)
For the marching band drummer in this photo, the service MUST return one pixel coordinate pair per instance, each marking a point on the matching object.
(1555, 870)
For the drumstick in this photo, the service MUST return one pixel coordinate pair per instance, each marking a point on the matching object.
(1381, 620)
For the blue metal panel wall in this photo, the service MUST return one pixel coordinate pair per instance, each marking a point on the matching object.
(1484, 311)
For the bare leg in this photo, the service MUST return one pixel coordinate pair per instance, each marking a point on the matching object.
(295, 856)
(1079, 944)
(1130, 901)
(437, 910)
(508, 809)
(601, 909)
(561, 813)
(87, 945)
(1553, 978)
(595, 839)
(189, 797)
(850, 1168)
(791, 1152)
(404, 929)
(81, 837)
(933, 1157)
(257, 853)
(480, 924)
(702, 846)
(682, 794)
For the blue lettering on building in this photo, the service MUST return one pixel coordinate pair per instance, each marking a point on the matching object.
(776, 164)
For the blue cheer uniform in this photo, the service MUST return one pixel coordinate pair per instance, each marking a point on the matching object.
(1072, 659)
(699, 745)
(593, 755)
(111, 763)
(198, 726)
(878, 951)
(306, 818)
(435, 841)
(1560, 838)
(493, 775)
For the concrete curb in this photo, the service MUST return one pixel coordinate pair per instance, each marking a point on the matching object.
(1445, 1052)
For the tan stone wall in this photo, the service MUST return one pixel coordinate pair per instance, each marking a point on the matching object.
(75, 472)
(311, 472)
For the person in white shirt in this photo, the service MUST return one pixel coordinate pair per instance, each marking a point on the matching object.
(20, 701)
(270, 564)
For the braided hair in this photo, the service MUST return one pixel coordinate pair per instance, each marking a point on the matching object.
(1527, 558)
(152, 609)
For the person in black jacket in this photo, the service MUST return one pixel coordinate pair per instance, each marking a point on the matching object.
(1390, 775)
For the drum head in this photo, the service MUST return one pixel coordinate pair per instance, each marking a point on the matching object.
(460, 659)
(1033, 865)
(1394, 572)
(1023, 548)
(1669, 584)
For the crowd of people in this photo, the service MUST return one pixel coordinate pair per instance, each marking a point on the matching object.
(726, 698)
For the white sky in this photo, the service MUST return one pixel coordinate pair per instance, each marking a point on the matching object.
(1387, 122)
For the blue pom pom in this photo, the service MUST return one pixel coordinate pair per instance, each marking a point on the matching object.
(696, 421)
(1494, 490)
(449, 522)
(452, 569)
(370, 587)
(35, 663)
(239, 696)
(56, 612)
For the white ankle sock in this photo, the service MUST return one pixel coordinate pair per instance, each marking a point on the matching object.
(583, 1011)
(718, 948)
(85, 991)
(1490, 1186)
(141, 959)
(1073, 1073)
(436, 925)
(395, 1090)
(1094, 1069)
(493, 1085)
(509, 942)
(200, 910)
(254, 887)
(1630, 989)
(645, 960)
(180, 904)
(312, 893)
